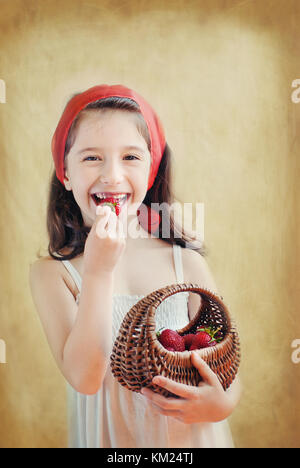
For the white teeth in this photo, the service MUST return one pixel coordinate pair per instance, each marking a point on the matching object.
(103, 195)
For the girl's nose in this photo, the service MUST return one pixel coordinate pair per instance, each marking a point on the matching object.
(111, 175)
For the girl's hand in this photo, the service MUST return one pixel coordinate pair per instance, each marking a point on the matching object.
(105, 243)
(206, 403)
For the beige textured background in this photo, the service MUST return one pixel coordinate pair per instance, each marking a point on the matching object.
(219, 74)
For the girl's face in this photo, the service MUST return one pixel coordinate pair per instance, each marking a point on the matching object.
(108, 155)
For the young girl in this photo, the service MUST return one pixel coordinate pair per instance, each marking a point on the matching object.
(109, 144)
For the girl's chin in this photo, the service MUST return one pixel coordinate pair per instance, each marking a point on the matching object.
(87, 221)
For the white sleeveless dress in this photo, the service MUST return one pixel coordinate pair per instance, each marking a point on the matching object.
(116, 417)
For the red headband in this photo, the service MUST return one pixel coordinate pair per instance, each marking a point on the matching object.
(78, 102)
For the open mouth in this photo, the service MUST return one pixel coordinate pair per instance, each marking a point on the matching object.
(115, 202)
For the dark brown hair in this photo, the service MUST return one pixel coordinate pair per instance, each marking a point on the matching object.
(65, 224)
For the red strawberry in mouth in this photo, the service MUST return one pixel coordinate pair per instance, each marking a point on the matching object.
(114, 202)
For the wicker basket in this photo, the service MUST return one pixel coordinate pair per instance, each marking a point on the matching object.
(138, 356)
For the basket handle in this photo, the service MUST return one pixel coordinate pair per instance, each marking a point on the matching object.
(205, 294)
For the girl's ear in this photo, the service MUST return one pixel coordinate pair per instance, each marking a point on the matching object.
(67, 181)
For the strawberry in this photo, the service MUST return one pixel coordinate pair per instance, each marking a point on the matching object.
(206, 336)
(115, 206)
(188, 340)
(212, 331)
(201, 340)
(171, 339)
(193, 347)
(170, 349)
(212, 343)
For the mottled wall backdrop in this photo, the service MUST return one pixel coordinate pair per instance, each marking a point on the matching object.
(219, 73)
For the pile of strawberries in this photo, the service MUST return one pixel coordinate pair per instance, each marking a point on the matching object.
(205, 336)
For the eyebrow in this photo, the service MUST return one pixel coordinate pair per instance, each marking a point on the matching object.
(133, 148)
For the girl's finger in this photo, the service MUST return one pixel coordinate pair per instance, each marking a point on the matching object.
(165, 412)
(102, 221)
(205, 371)
(182, 390)
(112, 225)
(120, 229)
(161, 401)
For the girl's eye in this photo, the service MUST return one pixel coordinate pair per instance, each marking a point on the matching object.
(88, 157)
(131, 156)
(92, 158)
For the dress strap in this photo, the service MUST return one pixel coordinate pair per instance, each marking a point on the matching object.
(73, 272)
(177, 253)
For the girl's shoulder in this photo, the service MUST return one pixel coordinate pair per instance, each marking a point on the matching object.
(197, 270)
(49, 268)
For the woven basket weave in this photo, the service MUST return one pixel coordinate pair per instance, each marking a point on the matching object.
(138, 356)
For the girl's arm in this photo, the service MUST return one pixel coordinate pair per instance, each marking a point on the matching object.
(196, 270)
(234, 394)
(88, 347)
(208, 402)
(79, 336)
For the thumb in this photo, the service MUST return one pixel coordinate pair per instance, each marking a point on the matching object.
(204, 370)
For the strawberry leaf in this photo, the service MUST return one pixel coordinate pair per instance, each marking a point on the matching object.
(158, 333)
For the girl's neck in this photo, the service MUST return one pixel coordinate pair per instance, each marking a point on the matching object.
(135, 234)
